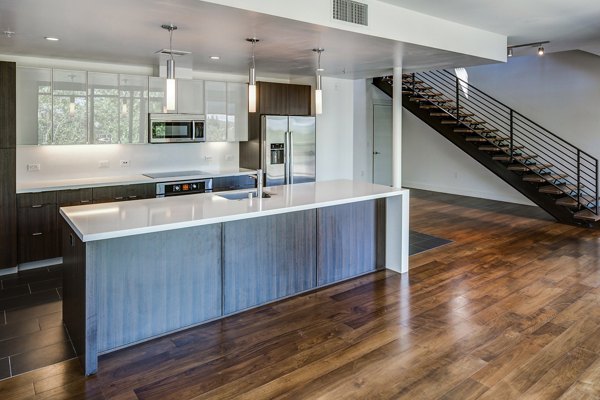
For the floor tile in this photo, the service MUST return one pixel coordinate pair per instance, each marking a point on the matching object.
(19, 328)
(45, 285)
(29, 300)
(25, 313)
(4, 368)
(36, 340)
(51, 320)
(41, 357)
(14, 291)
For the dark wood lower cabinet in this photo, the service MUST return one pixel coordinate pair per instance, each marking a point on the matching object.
(109, 194)
(233, 183)
(8, 209)
(38, 233)
(268, 258)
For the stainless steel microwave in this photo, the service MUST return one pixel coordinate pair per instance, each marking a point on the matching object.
(176, 128)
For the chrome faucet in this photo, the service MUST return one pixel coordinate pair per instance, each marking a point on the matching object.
(259, 183)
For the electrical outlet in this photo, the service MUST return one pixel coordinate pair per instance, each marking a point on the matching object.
(124, 163)
(228, 157)
(103, 164)
(33, 167)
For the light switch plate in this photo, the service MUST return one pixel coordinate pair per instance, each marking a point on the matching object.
(124, 163)
(33, 167)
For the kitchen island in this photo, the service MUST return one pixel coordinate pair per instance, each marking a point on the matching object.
(140, 269)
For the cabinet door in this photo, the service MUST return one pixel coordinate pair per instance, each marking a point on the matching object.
(256, 271)
(190, 96)
(299, 100)
(157, 88)
(38, 234)
(237, 112)
(34, 105)
(70, 107)
(346, 244)
(216, 111)
(104, 107)
(133, 108)
(35, 200)
(273, 98)
(8, 209)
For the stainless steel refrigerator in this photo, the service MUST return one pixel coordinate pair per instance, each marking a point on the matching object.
(289, 149)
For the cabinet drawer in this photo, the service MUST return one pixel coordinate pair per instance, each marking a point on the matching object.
(36, 199)
(143, 191)
(34, 221)
(38, 247)
(108, 194)
(75, 197)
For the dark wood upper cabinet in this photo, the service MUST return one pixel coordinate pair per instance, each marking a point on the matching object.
(283, 99)
(299, 100)
(8, 117)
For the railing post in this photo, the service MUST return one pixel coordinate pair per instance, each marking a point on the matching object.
(511, 135)
(579, 177)
(596, 181)
(413, 82)
(457, 101)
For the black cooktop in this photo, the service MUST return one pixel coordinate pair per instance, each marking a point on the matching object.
(173, 174)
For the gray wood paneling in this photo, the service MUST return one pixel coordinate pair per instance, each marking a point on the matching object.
(268, 258)
(346, 241)
(155, 283)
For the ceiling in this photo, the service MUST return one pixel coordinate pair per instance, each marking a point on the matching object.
(567, 24)
(129, 32)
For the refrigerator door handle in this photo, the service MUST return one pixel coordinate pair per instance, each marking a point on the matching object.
(286, 179)
(291, 163)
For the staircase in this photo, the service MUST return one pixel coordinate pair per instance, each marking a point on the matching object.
(557, 176)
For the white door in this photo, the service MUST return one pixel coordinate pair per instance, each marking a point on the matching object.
(382, 144)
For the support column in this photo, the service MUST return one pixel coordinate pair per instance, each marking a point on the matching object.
(397, 129)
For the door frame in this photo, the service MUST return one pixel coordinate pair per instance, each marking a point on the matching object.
(375, 104)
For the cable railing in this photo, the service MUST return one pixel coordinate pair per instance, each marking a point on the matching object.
(560, 163)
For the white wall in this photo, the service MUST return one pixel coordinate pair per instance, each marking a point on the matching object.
(560, 91)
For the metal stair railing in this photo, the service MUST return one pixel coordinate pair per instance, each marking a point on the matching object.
(516, 131)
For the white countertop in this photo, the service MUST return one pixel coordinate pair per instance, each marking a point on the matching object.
(81, 183)
(112, 220)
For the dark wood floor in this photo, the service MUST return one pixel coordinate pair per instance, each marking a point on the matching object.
(509, 310)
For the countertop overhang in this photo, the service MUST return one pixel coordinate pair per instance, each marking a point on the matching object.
(113, 220)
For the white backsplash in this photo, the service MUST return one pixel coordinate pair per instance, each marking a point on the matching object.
(83, 161)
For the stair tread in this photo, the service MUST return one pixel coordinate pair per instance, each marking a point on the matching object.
(559, 189)
(587, 215)
(572, 202)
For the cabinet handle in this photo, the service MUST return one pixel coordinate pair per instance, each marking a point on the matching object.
(119, 198)
(37, 206)
(133, 197)
(37, 234)
(84, 201)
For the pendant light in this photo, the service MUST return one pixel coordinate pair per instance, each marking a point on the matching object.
(72, 106)
(319, 90)
(171, 86)
(252, 79)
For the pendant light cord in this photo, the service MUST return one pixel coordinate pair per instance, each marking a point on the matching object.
(171, 41)
(253, 63)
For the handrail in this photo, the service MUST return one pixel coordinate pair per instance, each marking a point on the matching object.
(580, 168)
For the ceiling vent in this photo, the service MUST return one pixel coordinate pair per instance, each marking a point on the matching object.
(175, 52)
(351, 11)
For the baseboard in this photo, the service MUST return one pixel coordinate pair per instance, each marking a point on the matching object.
(8, 271)
(466, 192)
(40, 264)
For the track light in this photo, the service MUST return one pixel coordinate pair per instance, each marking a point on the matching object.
(539, 45)
(540, 51)
(510, 52)
(252, 79)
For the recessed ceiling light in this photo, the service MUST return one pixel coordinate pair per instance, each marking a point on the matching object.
(52, 39)
(215, 57)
